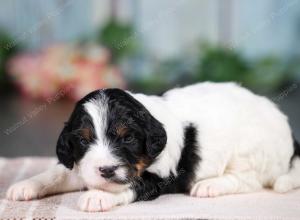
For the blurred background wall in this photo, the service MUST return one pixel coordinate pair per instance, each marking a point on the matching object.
(165, 27)
(53, 52)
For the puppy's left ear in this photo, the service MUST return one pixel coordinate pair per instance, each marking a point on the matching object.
(156, 137)
(64, 150)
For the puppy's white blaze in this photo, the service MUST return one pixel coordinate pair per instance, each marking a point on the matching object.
(99, 153)
(97, 109)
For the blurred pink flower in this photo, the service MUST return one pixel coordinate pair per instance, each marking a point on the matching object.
(84, 68)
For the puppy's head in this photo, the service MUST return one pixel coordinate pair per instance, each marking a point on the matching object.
(112, 138)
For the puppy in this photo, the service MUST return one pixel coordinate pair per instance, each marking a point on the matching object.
(206, 140)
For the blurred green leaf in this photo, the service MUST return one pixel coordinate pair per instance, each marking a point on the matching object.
(119, 38)
(220, 64)
(7, 49)
(267, 74)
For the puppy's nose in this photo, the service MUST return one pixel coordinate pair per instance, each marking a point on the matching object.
(108, 171)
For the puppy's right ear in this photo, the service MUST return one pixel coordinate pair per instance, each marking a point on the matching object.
(64, 150)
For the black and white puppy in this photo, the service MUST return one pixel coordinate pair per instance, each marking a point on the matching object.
(206, 140)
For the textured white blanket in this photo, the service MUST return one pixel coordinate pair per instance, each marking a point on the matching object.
(265, 205)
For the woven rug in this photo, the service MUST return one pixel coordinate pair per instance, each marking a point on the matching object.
(265, 205)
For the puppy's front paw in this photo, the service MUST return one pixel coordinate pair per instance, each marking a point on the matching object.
(283, 184)
(208, 188)
(24, 190)
(97, 201)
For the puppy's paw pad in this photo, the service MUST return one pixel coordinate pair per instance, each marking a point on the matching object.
(25, 190)
(97, 201)
(207, 188)
(283, 184)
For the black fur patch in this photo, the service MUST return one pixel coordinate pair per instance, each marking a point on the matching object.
(189, 159)
(150, 185)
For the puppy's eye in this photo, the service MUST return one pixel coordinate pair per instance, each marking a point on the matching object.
(83, 142)
(128, 139)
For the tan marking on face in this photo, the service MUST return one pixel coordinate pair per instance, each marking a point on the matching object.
(141, 166)
(86, 133)
(121, 130)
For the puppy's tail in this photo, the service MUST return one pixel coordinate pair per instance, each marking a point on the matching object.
(290, 180)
